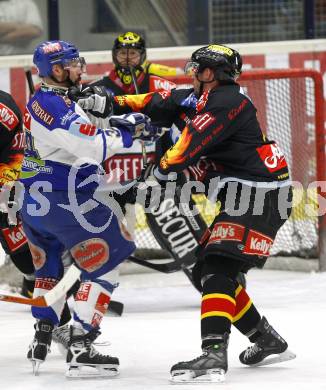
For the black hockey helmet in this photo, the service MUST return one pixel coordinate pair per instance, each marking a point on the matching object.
(226, 62)
(129, 40)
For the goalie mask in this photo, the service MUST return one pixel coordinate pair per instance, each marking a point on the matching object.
(129, 50)
(225, 62)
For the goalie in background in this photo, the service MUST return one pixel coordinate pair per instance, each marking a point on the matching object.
(249, 175)
(133, 74)
(130, 65)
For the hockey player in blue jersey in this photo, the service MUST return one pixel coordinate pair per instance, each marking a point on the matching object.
(61, 175)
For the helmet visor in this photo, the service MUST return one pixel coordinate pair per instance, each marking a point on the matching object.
(78, 62)
(191, 68)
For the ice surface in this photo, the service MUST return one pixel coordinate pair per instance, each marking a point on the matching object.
(160, 327)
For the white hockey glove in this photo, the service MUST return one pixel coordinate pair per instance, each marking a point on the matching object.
(94, 99)
(139, 125)
(135, 123)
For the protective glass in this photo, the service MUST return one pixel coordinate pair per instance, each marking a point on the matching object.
(191, 68)
(75, 63)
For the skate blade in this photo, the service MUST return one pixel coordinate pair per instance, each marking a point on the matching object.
(272, 359)
(188, 376)
(104, 343)
(36, 366)
(85, 372)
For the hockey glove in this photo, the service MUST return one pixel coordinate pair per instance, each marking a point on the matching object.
(147, 173)
(152, 133)
(94, 99)
(135, 123)
(151, 173)
(154, 185)
(139, 125)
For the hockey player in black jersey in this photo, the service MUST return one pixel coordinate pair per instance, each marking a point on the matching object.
(249, 175)
(12, 236)
(133, 74)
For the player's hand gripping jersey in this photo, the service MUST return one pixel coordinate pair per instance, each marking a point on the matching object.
(62, 134)
(130, 162)
(220, 133)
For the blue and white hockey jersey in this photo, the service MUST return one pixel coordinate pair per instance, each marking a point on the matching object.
(59, 136)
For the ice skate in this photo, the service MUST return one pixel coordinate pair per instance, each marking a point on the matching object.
(40, 346)
(211, 366)
(61, 336)
(269, 348)
(85, 361)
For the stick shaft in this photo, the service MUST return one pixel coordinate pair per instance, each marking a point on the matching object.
(52, 296)
(134, 81)
(29, 78)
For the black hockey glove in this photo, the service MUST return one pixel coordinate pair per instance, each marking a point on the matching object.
(94, 99)
(148, 188)
(151, 177)
(147, 172)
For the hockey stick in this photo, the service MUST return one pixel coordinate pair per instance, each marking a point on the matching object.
(115, 308)
(134, 80)
(50, 297)
(166, 268)
(29, 78)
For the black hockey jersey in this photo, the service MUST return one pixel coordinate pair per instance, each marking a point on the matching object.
(12, 140)
(220, 134)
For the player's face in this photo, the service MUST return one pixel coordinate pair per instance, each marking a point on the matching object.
(76, 68)
(207, 77)
(128, 57)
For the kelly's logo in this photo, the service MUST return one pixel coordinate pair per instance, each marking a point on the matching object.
(7, 117)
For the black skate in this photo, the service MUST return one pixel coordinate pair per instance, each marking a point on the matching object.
(269, 343)
(40, 346)
(85, 361)
(211, 366)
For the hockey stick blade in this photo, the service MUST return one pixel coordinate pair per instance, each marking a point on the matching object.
(166, 268)
(115, 308)
(50, 297)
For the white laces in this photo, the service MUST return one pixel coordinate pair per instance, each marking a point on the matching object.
(251, 351)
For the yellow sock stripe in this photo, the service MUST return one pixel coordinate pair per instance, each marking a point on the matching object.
(221, 296)
(238, 290)
(217, 314)
(242, 312)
